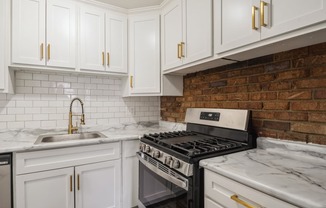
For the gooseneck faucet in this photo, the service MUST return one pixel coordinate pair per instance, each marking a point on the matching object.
(71, 128)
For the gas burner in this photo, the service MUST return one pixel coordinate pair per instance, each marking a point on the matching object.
(191, 144)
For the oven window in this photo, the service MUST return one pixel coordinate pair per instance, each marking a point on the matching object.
(157, 192)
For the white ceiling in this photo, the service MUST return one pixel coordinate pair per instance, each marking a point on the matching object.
(132, 4)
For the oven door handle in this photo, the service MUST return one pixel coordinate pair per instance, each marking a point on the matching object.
(174, 180)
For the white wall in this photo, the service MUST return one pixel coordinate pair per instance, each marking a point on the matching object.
(43, 99)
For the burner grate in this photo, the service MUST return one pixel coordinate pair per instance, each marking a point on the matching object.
(191, 143)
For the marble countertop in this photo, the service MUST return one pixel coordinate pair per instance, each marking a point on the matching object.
(291, 171)
(24, 139)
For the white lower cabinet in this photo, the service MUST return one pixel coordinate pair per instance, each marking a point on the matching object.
(50, 189)
(222, 192)
(130, 173)
(98, 185)
(75, 177)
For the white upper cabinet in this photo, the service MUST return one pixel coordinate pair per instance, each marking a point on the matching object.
(2, 45)
(28, 32)
(103, 36)
(233, 23)
(116, 43)
(239, 23)
(144, 39)
(61, 33)
(199, 30)
(186, 32)
(29, 44)
(171, 34)
(92, 38)
(285, 16)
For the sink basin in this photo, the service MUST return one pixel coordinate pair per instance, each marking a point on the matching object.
(68, 137)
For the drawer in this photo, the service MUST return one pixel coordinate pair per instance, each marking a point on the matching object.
(219, 189)
(28, 162)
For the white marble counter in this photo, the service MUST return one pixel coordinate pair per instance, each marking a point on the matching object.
(24, 139)
(291, 171)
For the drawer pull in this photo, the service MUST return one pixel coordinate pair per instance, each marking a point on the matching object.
(179, 51)
(262, 13)
(78, 182)
(42, 51)
(49, 52)
(253, 17)
(71, 183)
(239, 201)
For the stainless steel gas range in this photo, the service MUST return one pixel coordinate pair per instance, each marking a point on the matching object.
(169, 172)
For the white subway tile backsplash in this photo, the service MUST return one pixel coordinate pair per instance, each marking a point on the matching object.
(14, 111)
(16, 125)
(23, 75)
(3, 125)
(57, 78)
(24, 90)
(32, 83)
(24, 117)
(32, 124)
(40, 117)
(43, 100)
(43, 77)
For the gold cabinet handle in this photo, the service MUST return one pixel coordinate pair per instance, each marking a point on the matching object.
(78, 182)
(71, 183)
(253, 17)
(131, 84)
(182, 49)
(108, 57)
(42, 51)
(49, 52)
(179, 51)
(262, 13)
(103, 55)
(239, 201)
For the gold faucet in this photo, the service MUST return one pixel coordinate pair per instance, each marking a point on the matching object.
(71, 128)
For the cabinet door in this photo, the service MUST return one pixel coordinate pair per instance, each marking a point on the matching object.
(98, 185)
(172, 27)
(92, 38)
(233, 23)
(50, 189)
(145, 54)
(116, 43)
(199, 30)
(2, 44)
(130, 174)
(61, 33)
(28, 32)
(285, 16)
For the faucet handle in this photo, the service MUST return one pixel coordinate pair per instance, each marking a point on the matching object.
(82, 119)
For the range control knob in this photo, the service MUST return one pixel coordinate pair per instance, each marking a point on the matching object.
(176, 164)
(141, 147)
(147, 149)
(157, 154)
(167, 160)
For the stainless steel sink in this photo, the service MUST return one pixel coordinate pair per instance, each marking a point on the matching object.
(68, 137)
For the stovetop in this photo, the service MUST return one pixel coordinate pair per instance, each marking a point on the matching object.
(192, 144)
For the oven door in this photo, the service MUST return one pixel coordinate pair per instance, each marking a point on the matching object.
(160, 186)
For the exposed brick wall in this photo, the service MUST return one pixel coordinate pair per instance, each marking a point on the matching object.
(286, 93)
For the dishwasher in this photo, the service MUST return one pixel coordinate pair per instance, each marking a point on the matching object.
(5, 181)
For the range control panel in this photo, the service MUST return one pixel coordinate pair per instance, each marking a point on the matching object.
(210, 116)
